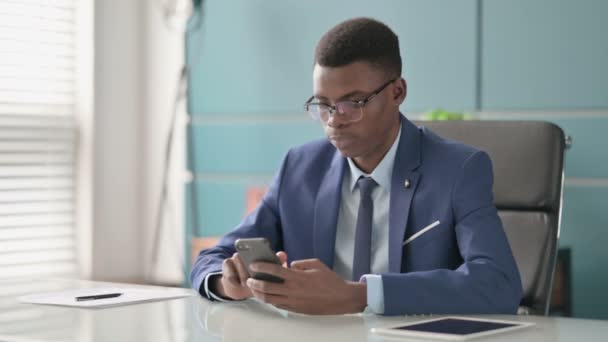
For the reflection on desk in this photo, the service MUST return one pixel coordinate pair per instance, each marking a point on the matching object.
(255, 321)
(196, 319)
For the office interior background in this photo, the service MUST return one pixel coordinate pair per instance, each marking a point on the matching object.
(89, 91)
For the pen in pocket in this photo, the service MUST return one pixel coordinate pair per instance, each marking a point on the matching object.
(422, 231)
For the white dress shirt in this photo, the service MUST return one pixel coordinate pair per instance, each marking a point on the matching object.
(347, 223)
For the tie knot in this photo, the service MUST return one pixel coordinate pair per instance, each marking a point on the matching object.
(366, 185)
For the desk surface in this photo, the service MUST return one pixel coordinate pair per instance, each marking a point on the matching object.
(195, 319)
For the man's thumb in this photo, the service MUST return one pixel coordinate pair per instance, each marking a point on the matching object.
(283, 258)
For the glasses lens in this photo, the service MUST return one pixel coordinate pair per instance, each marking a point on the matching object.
(347, 110)
(318, 111)
(350, 110)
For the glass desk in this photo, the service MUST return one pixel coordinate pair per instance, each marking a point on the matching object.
(196, 319)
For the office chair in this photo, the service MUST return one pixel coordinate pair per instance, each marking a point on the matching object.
(528, 160)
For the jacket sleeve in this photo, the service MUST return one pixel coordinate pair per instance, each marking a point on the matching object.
(264, 221)
(488, 281)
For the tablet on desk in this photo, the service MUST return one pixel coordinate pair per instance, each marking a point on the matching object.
(452, 328)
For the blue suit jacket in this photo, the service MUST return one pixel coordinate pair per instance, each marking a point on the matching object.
(464, 265)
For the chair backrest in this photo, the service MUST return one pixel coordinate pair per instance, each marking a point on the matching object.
(528, 159)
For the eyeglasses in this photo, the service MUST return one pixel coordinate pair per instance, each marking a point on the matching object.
(351, 111)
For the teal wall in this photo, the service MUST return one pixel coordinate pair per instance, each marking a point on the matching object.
(550, 55)
(544, 54)
(255, 56)
(250, 65)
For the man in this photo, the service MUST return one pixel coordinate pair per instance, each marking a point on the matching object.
(383, 214)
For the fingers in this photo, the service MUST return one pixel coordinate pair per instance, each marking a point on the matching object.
(284, 307)
(272, 269)
(267, 287)
(270, 298)
(241, 269)
(234, 271)
(283, 258)
(308, 264)
(232, 285)
(230, 274)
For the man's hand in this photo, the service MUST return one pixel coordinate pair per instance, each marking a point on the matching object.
(310, 287)
(232, 284)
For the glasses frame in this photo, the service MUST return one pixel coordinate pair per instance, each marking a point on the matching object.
(334, 109)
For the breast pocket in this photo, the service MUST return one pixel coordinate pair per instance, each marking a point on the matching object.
(424, 234)
(432, 247)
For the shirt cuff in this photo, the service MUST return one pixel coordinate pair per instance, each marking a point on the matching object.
(208, 292)
(375, 293)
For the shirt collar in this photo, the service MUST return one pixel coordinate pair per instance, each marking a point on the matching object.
(382, 174)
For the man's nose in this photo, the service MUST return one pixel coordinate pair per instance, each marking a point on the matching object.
(336, 119)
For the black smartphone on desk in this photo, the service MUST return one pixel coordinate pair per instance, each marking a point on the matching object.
(257, 250)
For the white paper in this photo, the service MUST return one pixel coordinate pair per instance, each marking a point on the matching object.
(6, 338)
(130, 295)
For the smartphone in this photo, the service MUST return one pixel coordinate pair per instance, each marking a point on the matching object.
(257, 250)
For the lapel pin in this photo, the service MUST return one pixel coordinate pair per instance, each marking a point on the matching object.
(407, 183)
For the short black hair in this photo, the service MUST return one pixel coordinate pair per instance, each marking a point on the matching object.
(360, 39)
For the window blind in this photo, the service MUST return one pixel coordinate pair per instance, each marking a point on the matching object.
(37, 153)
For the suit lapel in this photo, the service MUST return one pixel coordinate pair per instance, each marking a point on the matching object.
(407, 160)
(327, 207)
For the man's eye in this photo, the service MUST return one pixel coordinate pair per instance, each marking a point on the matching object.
(353, 103)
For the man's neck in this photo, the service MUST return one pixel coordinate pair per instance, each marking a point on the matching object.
(369, 162)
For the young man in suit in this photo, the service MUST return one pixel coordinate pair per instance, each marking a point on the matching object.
(381, 214)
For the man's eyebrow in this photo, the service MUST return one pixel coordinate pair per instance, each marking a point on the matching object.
(343, 97)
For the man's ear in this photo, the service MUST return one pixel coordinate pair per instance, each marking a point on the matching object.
(399, 91)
